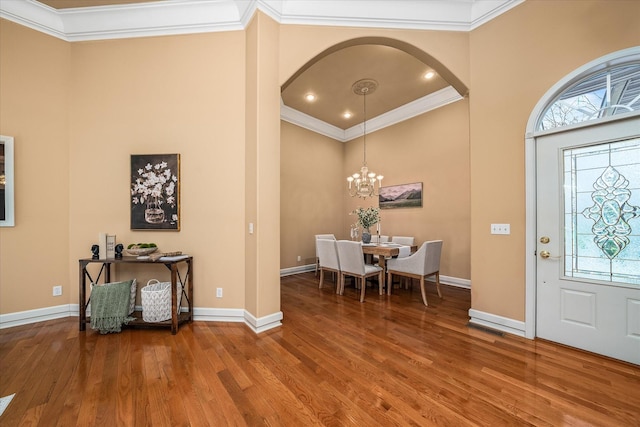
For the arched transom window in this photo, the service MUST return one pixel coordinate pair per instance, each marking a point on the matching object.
(614, 90)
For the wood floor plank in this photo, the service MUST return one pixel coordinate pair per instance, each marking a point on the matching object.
(389, 361)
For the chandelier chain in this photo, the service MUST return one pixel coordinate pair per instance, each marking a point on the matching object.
(364, 183)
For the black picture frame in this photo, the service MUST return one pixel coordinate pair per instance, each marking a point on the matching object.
(7, 185)
(154, 192)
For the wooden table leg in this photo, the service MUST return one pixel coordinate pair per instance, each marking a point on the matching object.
(82, 296)
(174, 299)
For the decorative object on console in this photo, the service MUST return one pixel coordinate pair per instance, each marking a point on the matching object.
(102, 243)
(95, 251)
(159, 255)
(111, 246)
(141, 249)
(119, 249)
(155, 195)
(401, 196)
(363, 184)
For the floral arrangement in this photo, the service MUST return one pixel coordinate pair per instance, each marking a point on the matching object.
(366, 217)
(154, 184)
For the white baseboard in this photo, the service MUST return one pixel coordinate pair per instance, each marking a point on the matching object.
(297, 270)
(264, 323)
(218, 314)
(452, 281)
(445, 280)
(199, 313)
(38, 315)
(499, 323)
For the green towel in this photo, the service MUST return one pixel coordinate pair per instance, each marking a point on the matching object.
(110, 306)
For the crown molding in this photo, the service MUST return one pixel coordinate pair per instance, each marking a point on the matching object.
(420, 106)
(306, 121)
(171, 17)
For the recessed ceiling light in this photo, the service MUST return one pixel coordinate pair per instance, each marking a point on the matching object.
(310, 97)
(347, 115)
(429, 75)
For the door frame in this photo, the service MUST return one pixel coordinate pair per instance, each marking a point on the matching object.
(531, 134)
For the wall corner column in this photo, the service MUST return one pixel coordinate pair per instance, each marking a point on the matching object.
(262, 173)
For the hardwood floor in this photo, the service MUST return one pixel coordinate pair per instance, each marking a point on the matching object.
(389, 361)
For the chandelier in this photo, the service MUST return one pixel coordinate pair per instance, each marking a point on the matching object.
(363, 184)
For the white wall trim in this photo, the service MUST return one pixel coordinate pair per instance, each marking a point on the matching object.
(308, 122)
(499, 323)
(204, 314)
(199, 314)
(297, 270)
(170, 17)
(445, 280)
(452, 281)
(218, 314)
(264, 323)
(422, 105)
(37, 315)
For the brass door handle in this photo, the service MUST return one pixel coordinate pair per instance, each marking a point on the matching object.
(545, 254)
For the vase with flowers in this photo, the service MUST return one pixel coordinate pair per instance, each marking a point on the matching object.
(367, 218)
(154, 186)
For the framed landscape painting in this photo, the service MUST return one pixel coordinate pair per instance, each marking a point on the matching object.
(155, 192)
(401, 196)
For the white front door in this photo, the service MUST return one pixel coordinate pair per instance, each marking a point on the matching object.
(588, 232)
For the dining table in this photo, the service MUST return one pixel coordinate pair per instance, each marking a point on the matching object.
(384, 251)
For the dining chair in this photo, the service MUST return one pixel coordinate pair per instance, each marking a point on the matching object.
(322, 236)
(328, 260)
(423, 263)
(403, 240)
(352, 264)
(383, 239)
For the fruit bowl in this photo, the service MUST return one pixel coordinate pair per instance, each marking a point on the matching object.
(141, 251)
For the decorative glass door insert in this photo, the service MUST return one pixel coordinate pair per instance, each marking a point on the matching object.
(602, 212)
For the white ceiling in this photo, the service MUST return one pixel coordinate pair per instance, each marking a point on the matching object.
(401, 94)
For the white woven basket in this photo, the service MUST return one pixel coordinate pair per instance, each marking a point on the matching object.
(156, 300)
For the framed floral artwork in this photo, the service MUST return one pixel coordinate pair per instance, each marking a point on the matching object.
(155, 192)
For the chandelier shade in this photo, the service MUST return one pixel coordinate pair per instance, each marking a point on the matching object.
(364, 183)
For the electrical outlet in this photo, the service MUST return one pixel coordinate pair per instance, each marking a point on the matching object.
(57, 291)
(500, 229)
(299, 258)
(219, 293)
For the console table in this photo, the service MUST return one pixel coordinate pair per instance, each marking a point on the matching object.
(172, 263)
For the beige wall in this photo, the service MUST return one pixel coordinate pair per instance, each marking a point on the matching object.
(515, 59)
(311, 202)
(34, 109)
(162, 95)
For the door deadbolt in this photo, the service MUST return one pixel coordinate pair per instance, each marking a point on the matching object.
(544, 239)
